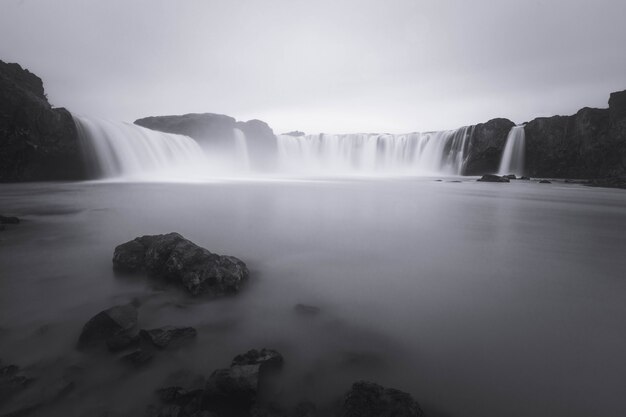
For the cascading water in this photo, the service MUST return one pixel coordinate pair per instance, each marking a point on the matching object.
(413, 153)
(127, 151)
(512, 161)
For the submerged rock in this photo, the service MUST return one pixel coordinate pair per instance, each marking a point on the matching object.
(12, 382)
(108, 326)
(545, 182)
(138, 358)
(493, 178)
(510, 176)
(238, 384)
(306, 310)
(175, 259)
(367, 399)
(169, 336)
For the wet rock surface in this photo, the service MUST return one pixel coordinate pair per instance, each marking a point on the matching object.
(175, 259)
(169, 336)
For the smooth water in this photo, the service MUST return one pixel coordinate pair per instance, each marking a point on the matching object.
(479, 299)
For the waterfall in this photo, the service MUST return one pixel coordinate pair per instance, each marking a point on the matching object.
(242, 157)
(428, 153)
(512, 161)
(127, 151)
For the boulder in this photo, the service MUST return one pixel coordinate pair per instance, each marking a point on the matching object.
(367, 399)
(493, 178)
(175, 259)
(108, 325)
(37, 142)
(237, 385)
(169, 336)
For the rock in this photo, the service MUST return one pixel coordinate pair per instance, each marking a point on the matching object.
(367, 399)
(485, 146)
(138, 358)
(269, 359)
(510, 176)
(9, 220)
(306, 310)
(12, 382)
(294, 133)
(238, 385)
(524, 178)
(169, 336)
(175, 259)
(493, 178)
(39, 395)
(217, 131)
(37, 142)
(108, 325)
(545, 182)
(122, 341)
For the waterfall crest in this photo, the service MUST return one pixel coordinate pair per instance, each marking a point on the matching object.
(512, 161)
(127, 151)
(414, 153)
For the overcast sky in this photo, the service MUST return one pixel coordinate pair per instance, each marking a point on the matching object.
(322, 65)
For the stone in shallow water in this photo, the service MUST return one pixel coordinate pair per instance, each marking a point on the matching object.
(108, 325)
(493, 178)
(138, 358)
(545, 182)
(367, 399)
(169, 336)
(268, 358)
(175, 259)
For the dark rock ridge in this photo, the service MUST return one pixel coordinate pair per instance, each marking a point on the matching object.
(37, 142)
(217, 131)
(485, 146)
(175, 259)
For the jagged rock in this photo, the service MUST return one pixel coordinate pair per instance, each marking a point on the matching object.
(175, 259)
(9, 220)
(108, 325)
(169, 336)
(269, 359)
(138, 358)
(37, 142)
(367, 399)
(493, 178)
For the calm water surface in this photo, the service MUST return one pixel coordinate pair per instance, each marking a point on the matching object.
(479, 299)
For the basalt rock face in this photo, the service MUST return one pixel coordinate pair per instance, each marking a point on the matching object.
(37, 142)
(485, 147)
(218, 130)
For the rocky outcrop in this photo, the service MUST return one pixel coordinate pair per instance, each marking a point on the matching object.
(367, 399)
(494, 178)
(37, 142)
(175, 259)
(485, 147)
(218, 131)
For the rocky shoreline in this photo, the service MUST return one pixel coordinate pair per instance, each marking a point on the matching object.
(245, 388)
(41, 143)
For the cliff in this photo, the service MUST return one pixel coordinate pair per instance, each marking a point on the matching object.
(37, 142)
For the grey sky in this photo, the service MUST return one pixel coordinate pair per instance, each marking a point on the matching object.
(340, 66)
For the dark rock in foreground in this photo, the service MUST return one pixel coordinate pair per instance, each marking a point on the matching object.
(175, 259)
(37, 142)
(9, 220)
(493, 178)
(169, 336)
(367, 399)
(108, 326)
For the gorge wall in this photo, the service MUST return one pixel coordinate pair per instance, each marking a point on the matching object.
(37, 142)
